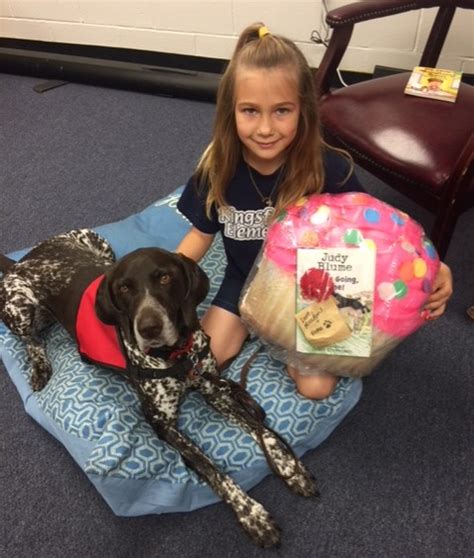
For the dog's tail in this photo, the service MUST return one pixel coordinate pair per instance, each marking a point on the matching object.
(5, 263)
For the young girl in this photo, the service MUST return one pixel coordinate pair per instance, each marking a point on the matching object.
(266, 153)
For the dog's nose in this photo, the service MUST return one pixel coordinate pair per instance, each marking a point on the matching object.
(149, 327)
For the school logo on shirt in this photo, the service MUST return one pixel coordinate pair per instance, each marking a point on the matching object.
(245, 225)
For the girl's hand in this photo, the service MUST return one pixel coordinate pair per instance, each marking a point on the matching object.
(440, 294)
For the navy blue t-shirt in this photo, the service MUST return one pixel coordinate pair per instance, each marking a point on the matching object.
(242, 222)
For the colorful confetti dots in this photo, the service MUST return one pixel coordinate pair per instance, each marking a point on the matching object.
(371, 215)
(430, 249)
(419, 268)
(386, 291)
(308, 239)
(426, 286)
(358, 198)
(397, 219)
(406, 271)
(321, 215)
(401, 289)
(353, 236)
(408, 247)
(368, 244)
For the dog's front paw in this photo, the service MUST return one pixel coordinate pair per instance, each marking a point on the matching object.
(303, 482)
(40, 366)
(260, 526)
(40, 376)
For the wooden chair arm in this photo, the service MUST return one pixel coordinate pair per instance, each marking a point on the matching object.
(332, 57)
(367, 10)
(343, 19)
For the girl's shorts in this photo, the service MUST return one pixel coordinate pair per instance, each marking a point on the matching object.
(228, 295)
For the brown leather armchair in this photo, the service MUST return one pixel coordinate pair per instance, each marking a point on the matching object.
(421, 147)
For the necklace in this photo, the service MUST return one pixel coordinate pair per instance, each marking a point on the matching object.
(266, 200)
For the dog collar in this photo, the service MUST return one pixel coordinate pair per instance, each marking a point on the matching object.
(178, 364)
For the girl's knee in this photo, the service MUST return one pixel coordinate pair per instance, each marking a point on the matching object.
(226, 331)
(314, 387)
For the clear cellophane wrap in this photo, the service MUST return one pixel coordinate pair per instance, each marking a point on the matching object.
(406, 265)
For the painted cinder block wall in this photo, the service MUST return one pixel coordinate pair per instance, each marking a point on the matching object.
(210, 28)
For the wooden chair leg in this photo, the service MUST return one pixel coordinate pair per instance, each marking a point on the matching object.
(443, 229)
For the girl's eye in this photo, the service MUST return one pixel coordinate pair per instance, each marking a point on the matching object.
(283, 111)
(249, 111)
(165, 278)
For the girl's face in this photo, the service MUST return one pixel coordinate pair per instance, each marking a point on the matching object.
(267, 111)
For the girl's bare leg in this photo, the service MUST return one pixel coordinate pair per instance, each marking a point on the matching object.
(313, 387)
(227, 333)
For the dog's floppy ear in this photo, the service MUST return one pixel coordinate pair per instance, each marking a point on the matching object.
(105, 306)
(197, 287)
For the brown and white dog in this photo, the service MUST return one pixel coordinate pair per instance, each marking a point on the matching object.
(141, 311)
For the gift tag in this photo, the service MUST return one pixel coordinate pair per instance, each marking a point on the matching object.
(322, 323)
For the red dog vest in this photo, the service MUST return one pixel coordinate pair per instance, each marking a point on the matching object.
(97, 342)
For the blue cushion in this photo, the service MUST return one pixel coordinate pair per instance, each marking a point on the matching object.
(96, 415)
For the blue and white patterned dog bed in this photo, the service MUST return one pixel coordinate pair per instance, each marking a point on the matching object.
(96, 415)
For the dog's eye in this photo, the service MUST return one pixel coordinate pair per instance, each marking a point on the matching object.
(165, 278)
(125, 287)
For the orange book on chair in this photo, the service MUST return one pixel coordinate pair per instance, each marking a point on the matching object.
(434, 83)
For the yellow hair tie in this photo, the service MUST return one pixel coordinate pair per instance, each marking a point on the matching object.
(262, 32)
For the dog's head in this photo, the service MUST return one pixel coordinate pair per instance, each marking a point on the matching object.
(152, 294)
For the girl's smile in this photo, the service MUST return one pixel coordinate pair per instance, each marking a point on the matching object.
(267, 111)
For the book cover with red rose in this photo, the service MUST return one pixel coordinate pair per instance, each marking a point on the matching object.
(334, 300)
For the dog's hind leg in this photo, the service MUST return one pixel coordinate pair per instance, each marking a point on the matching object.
(218, 394)
(40, 366)
(93, 242)
(22, 314)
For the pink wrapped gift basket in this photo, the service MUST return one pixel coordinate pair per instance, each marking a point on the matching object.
(339, 226)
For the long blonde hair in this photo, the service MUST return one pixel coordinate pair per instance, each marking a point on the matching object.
(304, 170)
